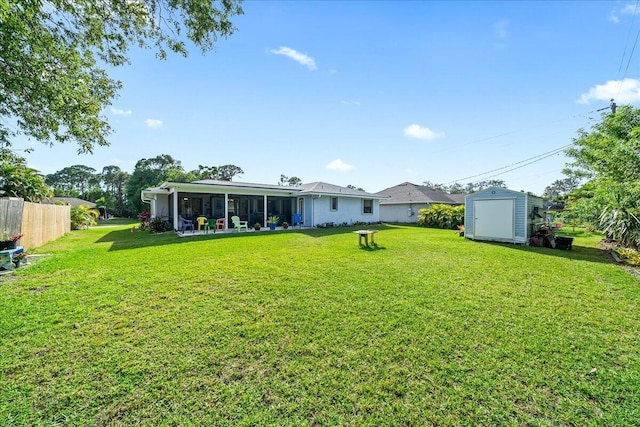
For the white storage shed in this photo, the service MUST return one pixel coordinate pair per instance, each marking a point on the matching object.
(502, 215)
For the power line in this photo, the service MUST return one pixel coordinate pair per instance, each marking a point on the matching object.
(500, 135)
(635, 43)
(626, 44)
(516, 165)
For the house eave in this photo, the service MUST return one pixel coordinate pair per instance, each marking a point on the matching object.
(228, 187)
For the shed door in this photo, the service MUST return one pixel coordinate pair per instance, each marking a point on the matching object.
(494, 218)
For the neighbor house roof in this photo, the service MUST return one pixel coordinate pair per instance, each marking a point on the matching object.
(71, 201)
(411, 193)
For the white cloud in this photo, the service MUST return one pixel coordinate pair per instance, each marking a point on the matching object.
(500, 29)
(301, 58)
(153, 123)
(613, 17)
(628, 9)
(626, 91)
(120, 112)
(350, 103)
(339, 165)
(419, 132)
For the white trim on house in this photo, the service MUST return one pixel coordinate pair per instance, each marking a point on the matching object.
(315, 197)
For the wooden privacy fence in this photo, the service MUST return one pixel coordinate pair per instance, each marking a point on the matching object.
(39, 223)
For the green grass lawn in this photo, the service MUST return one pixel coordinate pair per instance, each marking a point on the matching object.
(306, 328)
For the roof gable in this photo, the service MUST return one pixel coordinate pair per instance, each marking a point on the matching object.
(408, 192)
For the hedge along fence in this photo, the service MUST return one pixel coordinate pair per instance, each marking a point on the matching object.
(38, 222)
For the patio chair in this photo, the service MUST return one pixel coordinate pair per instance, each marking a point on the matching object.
(239, 225)
(297, 220)
(186, 224)
(221, 224)
(210, 225)
(202, 220)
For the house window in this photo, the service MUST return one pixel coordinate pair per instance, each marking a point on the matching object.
(367, 206)
(334, 203)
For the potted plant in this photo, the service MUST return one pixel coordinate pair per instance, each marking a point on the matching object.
(273, 222)
(19, 259)
(256, 226)
(8, 241)
(285, 225)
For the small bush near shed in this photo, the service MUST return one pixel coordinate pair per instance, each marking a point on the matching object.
(442, 216)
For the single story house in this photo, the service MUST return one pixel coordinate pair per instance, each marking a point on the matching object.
(401, 203)
(502, 215)
(316, 203)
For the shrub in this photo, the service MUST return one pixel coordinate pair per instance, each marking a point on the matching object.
(83, 216)
(159, 225)
(144, 217)
(621, 225)
(629, 256)
(442, 216)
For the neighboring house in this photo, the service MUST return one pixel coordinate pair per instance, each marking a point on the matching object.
(402, 202)
(71, 201)
(502, 215)
(317, 203)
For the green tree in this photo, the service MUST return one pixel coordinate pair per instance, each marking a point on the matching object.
(353, 187)
(561, 188)
(74, 181)
(114, 180)
(52, 87)
(608, 157)
(148, 173)
(227, 172)
(434, 186)
(204, 172)
(289, 181)
(19, 180)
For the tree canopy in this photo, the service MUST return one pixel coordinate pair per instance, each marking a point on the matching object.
(471, 187)
(609, 157)
(18, 180)
(289, 181)
(52, 56)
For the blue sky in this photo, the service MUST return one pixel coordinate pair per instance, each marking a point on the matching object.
(374, 94)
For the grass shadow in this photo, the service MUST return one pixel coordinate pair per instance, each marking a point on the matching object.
(372, 248)
(578, 252)
(123, 239)
(126, 239)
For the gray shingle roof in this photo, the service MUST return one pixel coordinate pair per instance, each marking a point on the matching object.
(71, 201)
(325, 188)
(412, 193)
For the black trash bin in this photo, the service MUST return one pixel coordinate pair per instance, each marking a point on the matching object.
(564, 243)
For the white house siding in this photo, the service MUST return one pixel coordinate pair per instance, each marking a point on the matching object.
(162, 207)
(312, 200)
(402, 212)
(349, 211)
